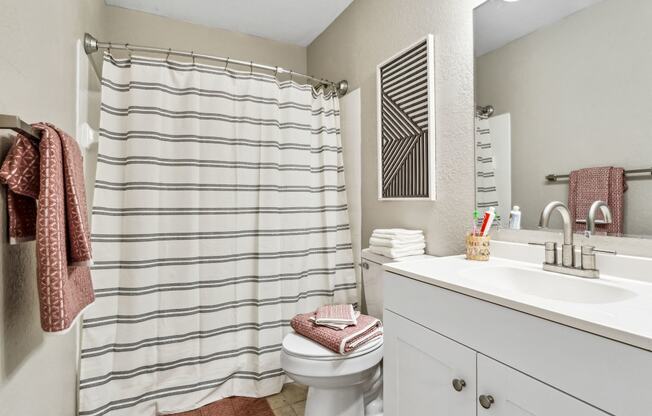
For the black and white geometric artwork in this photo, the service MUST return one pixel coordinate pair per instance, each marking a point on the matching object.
(406, 121)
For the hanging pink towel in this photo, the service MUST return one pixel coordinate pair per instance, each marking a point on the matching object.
(341, 341)
(53, 175)
(593, 184)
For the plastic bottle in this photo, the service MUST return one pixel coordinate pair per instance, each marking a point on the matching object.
(515, 218)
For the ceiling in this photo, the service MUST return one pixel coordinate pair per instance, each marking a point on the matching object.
(498, 22)
(291, 21)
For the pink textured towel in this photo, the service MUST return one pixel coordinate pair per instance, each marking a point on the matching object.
(597, 184)
(335, 314)
(341, 341)
(52, 174)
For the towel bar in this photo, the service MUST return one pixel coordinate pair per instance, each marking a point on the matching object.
(555, 178)
(14, 123)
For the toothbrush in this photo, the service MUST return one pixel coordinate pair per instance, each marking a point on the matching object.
(476, 215)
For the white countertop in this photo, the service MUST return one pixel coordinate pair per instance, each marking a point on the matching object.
(627, 319)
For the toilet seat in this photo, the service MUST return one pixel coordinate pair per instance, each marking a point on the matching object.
(302, 347)
(302, 357)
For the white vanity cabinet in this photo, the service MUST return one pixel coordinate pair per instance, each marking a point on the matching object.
(429, 374)
(420, 367)
(515, 394)
(528, 365)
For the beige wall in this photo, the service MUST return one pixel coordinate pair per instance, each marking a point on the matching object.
(579, 96)
(37, 79)
(367, 33)
(128, 26)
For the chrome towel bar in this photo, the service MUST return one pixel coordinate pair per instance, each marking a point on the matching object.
(555, 178)
(9, 122)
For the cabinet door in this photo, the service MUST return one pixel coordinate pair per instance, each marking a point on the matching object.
(419, 368)
(515, 394)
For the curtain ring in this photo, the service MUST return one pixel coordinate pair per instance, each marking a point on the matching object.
(276, 72)
(291, 74)
(251, 68)
(109, 50)
(192, 54)
(129, 49)
(227, 63)
(168, 55)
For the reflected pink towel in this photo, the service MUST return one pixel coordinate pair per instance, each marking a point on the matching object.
(53, 175)
(592, 184)
(341, 341)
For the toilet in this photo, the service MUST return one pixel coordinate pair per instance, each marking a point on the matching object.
(343, 385)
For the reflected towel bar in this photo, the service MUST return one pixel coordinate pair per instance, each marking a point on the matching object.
(8, 122)
(555, 178)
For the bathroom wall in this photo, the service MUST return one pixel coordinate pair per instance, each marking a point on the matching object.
(580, 87)
(37, 69)
(138, 28)
(368, 32)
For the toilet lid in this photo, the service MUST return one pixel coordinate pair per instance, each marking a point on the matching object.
(300, 346)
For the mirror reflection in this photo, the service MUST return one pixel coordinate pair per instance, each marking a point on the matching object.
(563, 92)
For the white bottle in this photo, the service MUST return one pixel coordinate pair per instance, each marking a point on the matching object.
(515, 218)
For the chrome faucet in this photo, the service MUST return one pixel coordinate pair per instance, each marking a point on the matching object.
(567, 249)
(590, 218)
(587, 267)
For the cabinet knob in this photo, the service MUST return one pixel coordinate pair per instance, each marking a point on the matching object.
(364, 265)
(486, 400)
(459, 384)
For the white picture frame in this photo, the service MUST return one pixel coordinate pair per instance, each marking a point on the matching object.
(402, 83)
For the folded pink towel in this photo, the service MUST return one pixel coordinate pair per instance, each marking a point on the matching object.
(335, 314)
(339, 327)
(343, 342)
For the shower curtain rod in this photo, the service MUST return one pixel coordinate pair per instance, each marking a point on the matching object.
(93, 45)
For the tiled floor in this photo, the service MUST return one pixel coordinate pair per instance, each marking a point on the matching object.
(291, 401)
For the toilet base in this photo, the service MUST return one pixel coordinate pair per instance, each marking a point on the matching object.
(357, 394)
(340, 402)
(338, 385)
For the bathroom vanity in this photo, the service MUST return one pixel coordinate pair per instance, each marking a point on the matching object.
(506, 338)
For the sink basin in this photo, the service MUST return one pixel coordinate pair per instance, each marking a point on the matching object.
(547, 285)
(615, 306)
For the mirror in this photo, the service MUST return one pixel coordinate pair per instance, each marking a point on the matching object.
(564, 91)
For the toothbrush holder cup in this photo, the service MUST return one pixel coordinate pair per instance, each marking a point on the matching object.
(477, 247)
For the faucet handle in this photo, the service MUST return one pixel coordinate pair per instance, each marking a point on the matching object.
(614, 252)
(588, 256)
(551, 252)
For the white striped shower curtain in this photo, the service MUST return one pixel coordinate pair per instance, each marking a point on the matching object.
(219, 213)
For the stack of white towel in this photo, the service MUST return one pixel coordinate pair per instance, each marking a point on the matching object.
(397, 242)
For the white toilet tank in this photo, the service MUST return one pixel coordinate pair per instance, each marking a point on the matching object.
(372, 281)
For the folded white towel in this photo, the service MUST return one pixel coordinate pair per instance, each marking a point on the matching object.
(398, 235)
(395, 253)
(390, 242)
(397, 232)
